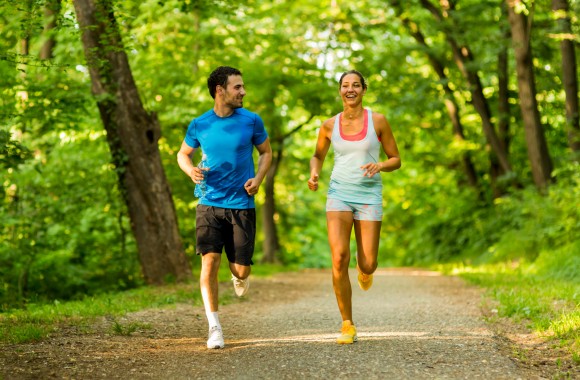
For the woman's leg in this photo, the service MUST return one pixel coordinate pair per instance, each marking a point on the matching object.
(339, 225)
(367, 241)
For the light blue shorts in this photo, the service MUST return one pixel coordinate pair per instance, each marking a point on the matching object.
(360, 211)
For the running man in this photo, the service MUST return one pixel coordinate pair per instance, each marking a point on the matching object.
(225, 214)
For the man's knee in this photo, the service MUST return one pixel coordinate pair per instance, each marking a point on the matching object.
(210, 262)
(240, 271)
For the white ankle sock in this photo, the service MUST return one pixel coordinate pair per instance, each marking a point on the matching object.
(213, 319)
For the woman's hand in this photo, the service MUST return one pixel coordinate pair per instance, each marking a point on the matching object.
(313, 182)
(371, 169)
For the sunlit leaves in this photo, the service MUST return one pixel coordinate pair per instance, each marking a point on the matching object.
(61, 208)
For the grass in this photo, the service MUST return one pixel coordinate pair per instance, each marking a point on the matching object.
(545, 301)
(38, 321)
(126, 329)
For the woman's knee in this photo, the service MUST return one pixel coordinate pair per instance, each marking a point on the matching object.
(367, 267)
(340, 259)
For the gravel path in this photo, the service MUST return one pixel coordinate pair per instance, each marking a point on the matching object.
(411, 324)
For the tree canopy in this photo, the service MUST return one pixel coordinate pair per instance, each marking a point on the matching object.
(482, 97)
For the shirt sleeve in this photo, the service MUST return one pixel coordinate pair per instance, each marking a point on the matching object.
(260, 134)
(191, 135)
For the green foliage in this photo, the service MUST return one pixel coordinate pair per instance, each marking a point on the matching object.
(517, 226)
(12, 152)
(64, 230)
(562, 263)
(69, 232)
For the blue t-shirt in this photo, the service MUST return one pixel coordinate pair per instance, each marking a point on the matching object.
(228, 143)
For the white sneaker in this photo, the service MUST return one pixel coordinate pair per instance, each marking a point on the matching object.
(241, 286)
(216, 338)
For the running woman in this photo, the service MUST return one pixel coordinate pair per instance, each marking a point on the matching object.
(355, 190)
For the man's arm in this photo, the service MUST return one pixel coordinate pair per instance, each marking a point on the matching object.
(265, 159)
(184, 160)
(264, 162)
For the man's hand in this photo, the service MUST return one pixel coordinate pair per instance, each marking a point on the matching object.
(197, 175)
(252, 186)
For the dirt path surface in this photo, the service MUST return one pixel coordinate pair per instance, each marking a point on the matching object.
(411, 325)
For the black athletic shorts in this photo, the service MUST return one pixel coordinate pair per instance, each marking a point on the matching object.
(233, 229)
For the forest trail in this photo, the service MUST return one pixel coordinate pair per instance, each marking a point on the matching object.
(412, 325)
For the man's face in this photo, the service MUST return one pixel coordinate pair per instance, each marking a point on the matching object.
(234, 92)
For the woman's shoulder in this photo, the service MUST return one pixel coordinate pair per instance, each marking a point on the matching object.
(329, 123)
(378, 115)
(379, 120)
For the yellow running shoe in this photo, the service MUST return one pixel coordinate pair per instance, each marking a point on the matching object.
(365, 281)
(347, 333)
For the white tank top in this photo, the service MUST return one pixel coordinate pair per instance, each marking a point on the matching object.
(347, 182)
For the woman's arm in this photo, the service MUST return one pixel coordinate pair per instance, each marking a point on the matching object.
(322, 146)
(388, 142)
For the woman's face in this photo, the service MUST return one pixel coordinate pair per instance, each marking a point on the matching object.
(351, 89)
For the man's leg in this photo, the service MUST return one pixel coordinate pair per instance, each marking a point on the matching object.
(210, 264)
(240, 278)
(240, 271)
(240, 249)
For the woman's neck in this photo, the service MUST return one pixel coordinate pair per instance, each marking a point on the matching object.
(352, 113)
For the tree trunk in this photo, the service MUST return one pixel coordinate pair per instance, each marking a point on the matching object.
(503, 111)
(51, 11)
(561, 9)
(271, 241)
(540, 161)
(449, 101)
(463, 59)
(503, 98)
(132, 134)
(25, 32)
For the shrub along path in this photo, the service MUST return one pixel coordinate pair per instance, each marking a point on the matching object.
(412, 324)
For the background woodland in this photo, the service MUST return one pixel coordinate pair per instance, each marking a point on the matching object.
(96, 96)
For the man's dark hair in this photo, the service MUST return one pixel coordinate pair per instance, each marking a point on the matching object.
(220, 77)
(362, 79)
